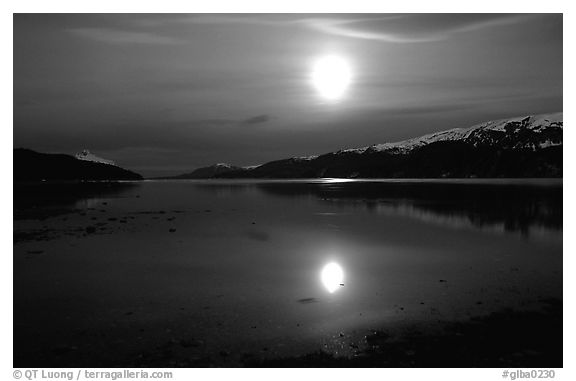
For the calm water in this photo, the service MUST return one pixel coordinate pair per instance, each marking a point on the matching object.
(233, 269)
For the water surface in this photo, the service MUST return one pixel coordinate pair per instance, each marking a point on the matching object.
(231, 270)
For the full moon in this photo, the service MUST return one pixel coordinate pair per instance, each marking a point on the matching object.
(331, 76)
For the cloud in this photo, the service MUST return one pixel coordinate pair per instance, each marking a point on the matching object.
(395, 28)
(257, 119)
(411, 28)
(118, 36)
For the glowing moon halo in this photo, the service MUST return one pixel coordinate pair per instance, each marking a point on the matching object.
(331, 76)
(332, 277)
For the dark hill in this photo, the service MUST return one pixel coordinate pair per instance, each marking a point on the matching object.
(35, 166)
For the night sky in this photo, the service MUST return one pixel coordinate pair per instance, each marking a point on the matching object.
(164, 94)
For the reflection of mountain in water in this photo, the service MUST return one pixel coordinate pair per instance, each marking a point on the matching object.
(514, 206)
(32, 200)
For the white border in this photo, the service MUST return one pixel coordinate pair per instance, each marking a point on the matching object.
(295, 6)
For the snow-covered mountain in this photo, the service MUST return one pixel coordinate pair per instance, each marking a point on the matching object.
(527, 146)
(88, 156)
(544, 130)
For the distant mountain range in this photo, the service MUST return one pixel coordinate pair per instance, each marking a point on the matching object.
(209, 172)
(35, 166)
(529, 146)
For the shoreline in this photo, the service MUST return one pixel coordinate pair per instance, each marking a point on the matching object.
(507, 338)
(501, 339)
